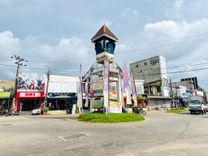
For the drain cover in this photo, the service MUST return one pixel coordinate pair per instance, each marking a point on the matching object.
(6, 124)
(73, 137)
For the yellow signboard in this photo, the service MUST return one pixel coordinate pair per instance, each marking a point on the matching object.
(4, 94)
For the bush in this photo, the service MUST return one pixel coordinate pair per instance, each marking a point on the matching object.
(110, 118)
(45, 109)
(176, 110)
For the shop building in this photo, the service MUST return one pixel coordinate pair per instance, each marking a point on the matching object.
(30, 92)
(154, 73)
(6, 88)
(5, 100)
(62, 92)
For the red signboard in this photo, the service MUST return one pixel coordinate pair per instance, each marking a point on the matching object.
(30, 94)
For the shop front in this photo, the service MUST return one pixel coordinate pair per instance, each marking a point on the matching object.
(5, 100)
(62, 92)
(61, 101)
(30, 92)
(28, 100)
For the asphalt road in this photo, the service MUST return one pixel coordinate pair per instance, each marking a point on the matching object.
(162, 134)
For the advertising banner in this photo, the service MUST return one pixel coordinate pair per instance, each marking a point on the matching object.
(30, 86)
(96, 86)
(115, 107)
(113, 93)
(31, 82)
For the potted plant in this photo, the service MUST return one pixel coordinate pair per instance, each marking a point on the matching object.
(44, 110)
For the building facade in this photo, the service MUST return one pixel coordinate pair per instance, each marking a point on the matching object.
(62, 92)
(154, 73)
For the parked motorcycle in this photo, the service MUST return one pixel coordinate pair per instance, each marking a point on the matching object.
(139, 110)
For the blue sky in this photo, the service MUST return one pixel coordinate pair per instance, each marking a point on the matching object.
(56, 34)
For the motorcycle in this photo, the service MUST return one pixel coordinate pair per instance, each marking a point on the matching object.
(139, 110)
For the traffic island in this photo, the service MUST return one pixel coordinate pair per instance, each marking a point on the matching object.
(177, 110)
(110, 118)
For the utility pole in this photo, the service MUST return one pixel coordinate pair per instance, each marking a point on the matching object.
(19, 62)
(47, 84)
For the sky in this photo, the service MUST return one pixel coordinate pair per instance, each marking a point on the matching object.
(57, 34)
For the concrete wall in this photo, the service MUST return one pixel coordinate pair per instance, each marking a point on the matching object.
(154, 73)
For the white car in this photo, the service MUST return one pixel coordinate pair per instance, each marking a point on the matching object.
(36, 111)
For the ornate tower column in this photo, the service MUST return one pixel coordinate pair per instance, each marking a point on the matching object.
(104, 41)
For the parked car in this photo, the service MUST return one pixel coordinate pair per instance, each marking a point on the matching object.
(36, 111)
(197, 106)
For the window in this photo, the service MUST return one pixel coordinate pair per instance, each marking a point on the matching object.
(110, 47)
(98, 47)
(154, 62)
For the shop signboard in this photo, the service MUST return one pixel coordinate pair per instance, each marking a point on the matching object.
(61, 95)
(115, 107)
(30, 94)
(4, 95)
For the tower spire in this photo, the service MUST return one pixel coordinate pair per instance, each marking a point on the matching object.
(104, 31)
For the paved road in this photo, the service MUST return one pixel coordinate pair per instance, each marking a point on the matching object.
(162, 134)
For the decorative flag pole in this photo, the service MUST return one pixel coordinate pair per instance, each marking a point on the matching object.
(80, 93)
(133, 88)
(87, 93)
(106, 86)
(126, 85)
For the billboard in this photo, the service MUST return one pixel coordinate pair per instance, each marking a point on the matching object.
(30, 86)
(63, 84)
(31, 82)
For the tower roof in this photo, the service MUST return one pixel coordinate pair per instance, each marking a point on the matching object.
(104, 31)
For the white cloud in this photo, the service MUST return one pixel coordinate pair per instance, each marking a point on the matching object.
(8, 44)
(179, 39)
(175, 10)
(180, 42)
(169, 28)
(63, 56)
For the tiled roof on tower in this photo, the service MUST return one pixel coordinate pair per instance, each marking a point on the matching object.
(104, 31)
